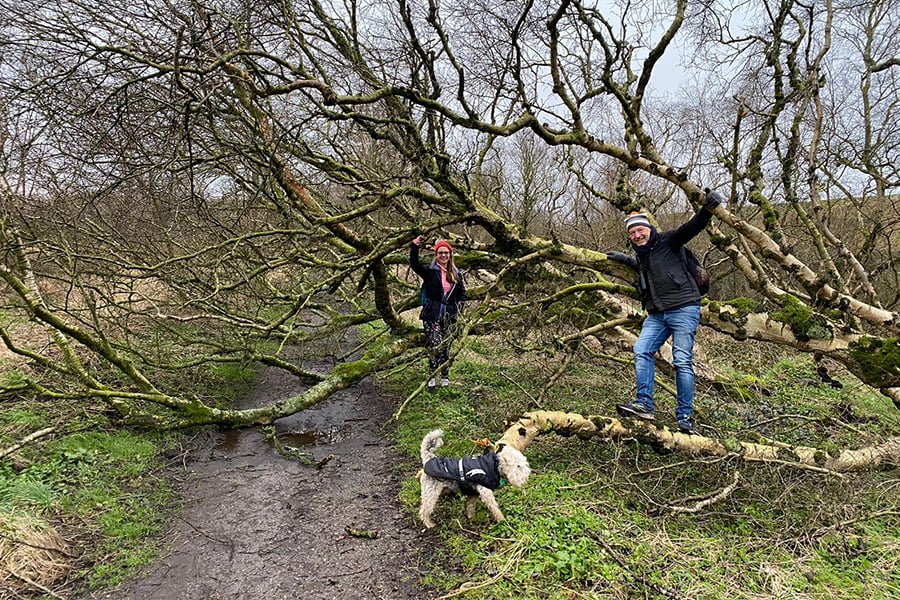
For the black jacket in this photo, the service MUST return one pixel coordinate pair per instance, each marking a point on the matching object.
(663, 279)
(467, 472)
(436, 306)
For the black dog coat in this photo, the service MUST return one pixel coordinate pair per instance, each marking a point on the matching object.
(467, 472)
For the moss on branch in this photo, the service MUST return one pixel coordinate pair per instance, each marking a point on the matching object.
(803, 321)
(878, 360)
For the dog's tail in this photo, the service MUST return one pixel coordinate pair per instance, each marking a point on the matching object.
(430, 443)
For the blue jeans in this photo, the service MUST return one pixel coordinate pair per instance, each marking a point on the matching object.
(681, 324)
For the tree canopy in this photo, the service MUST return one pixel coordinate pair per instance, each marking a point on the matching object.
(190, 183)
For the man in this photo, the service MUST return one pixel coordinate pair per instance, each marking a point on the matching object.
(671, 298)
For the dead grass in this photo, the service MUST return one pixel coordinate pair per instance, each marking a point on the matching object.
(33, 556)
(27, 334)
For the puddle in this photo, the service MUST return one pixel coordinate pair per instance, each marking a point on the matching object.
(314, 437)
(229, 440)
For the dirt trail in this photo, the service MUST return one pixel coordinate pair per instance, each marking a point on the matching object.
(261, 526)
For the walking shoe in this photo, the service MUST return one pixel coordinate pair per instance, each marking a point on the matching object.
(431, 385)
(685, 425)
(445, 382)
(633, 409)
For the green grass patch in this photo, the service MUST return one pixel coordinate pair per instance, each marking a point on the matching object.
(605, 520)
(100, 482)
(104, 479)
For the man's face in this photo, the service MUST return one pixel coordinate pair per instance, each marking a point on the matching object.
(639, 235)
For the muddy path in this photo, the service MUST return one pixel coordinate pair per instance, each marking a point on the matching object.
(257, 525)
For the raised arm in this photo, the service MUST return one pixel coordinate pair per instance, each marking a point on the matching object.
(688, 231)
(414, 262)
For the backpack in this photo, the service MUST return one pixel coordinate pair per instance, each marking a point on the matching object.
(697, 271)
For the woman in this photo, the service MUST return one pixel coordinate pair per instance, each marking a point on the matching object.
(443, 294)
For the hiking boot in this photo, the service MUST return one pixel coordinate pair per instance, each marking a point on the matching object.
(633, 409)
(431, 385)
(445, 382)
(685, 425)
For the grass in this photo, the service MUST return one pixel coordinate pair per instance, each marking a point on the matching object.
(98, 486)
(596, 518)
(96, 482)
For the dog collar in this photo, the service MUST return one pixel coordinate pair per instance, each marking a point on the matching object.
(502, 482)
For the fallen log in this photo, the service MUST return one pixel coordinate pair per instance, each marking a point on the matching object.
(530, 425)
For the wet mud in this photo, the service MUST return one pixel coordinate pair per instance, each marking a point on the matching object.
(258, 525)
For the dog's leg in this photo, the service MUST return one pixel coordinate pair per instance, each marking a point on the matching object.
(470, 507)
(431, 491)
(487, 496)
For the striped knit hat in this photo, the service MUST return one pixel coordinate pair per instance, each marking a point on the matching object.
(637, 219)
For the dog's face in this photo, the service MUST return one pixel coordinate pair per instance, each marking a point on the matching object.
(514, 466)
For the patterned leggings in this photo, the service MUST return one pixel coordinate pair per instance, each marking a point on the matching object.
(437, 340)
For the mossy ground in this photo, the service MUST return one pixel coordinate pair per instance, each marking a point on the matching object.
(598, 519)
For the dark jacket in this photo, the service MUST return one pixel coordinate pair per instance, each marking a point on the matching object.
(467, 472)
(663, 279)
(437, 307)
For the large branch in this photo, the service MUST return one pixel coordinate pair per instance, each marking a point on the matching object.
(528, 427)
(875, 361)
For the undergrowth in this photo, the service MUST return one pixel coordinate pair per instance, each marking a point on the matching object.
(603, 519)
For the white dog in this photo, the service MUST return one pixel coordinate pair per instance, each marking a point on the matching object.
(476, 477)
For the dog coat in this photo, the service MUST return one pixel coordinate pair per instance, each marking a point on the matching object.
(467, 472)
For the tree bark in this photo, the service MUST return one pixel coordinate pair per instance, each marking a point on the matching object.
(529, 426)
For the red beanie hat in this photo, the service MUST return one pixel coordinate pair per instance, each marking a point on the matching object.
(439, 243)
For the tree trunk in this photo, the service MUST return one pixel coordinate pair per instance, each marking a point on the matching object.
(525, 430)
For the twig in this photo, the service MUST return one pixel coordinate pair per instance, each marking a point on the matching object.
(534, 401)
(34, 584)
(570, 354)
(25, 440)
(229, 543)
(842, 524)
(363, 344)
(37, 547)
(796, 465)
(805, 418)
(580, 485)
(724, 493)
(579, 335)
(469, 586)
(686, 462)
(665, 592)
(416, 392)
(658, 380)
(291, 452)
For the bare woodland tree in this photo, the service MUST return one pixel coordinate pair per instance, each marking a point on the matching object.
(190, 183)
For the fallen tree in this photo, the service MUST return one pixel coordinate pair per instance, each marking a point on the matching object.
(529, 426)
(290, 155)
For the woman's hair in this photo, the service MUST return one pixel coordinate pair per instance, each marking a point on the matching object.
(452, 272)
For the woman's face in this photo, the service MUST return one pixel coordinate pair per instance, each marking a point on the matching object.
(442, 256)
